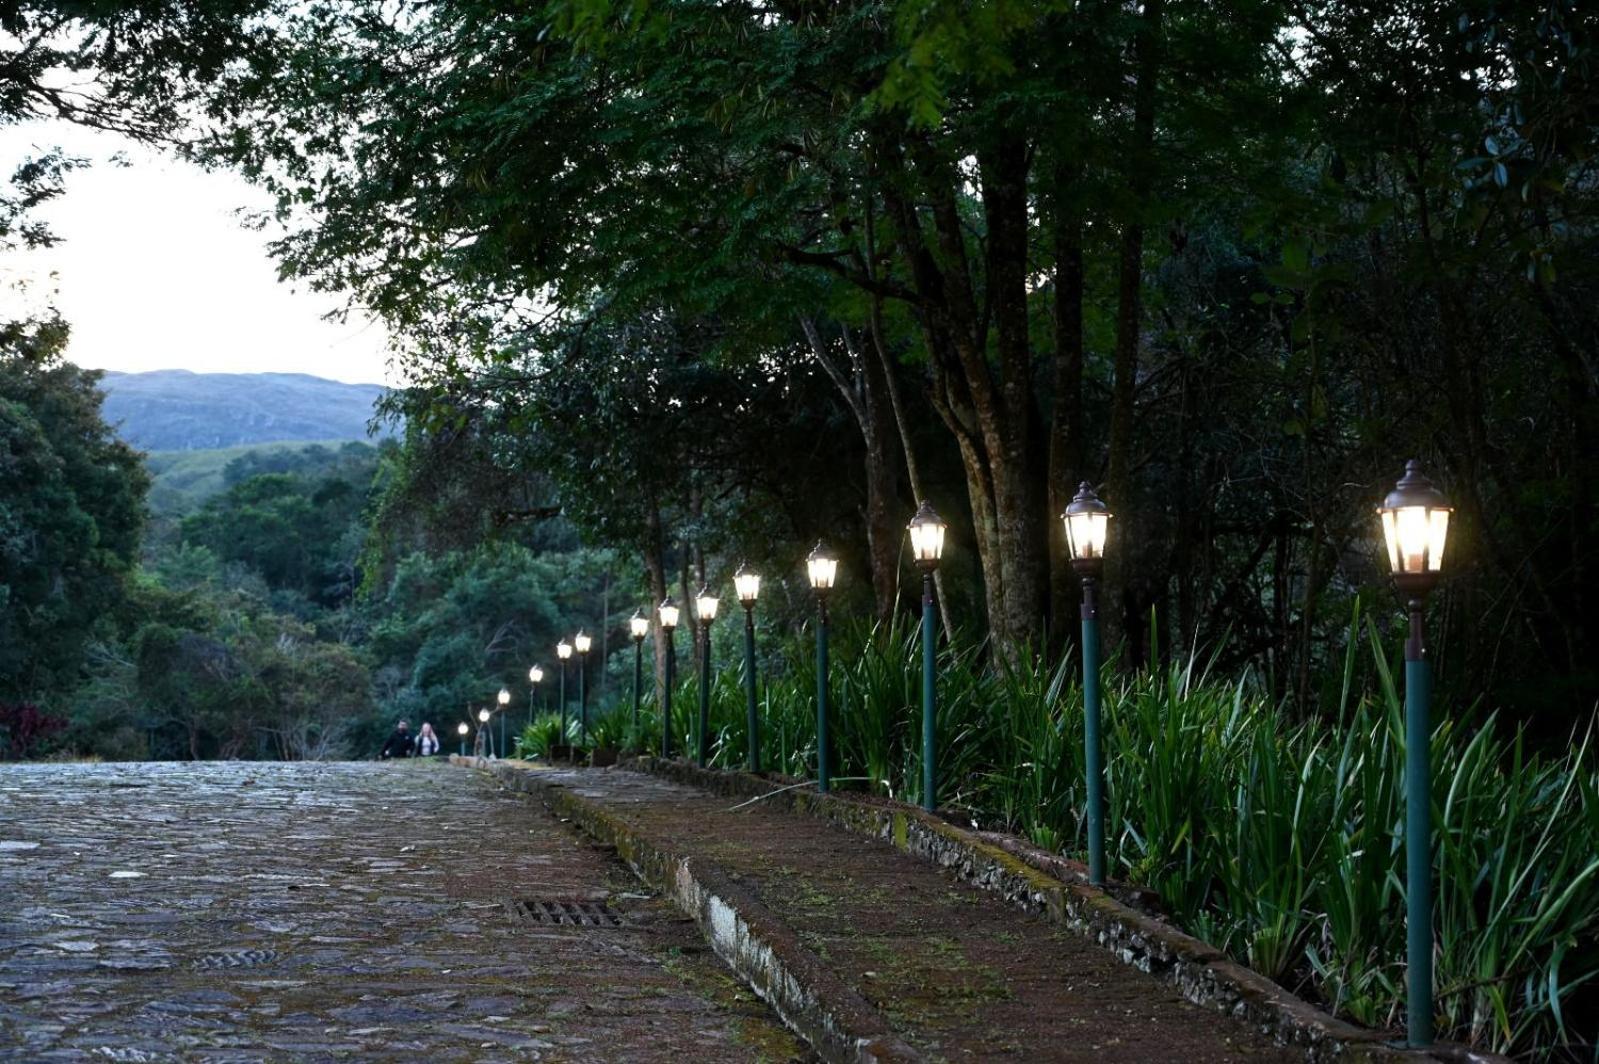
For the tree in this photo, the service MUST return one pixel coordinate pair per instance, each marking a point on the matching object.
(71, 511)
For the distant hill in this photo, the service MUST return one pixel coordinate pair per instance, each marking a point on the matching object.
(176, 410)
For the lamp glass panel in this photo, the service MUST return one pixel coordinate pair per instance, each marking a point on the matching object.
(927, 541)
(748, 586)
(1415, 537)
(1438, 535)
(483, 715)
(463, 729)
(563, 650)
(822, 572)
(669, 616)
(705, 606)
(640, 626)
(505, 696)
(1085, 534)
(583, 643)
(535, 674)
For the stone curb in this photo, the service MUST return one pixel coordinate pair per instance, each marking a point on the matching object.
(838, 1023)
(1039, 882)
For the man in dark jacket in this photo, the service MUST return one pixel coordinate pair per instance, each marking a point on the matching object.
(399, 744)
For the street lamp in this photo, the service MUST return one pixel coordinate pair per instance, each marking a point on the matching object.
(534, 676)
(748, 586)
(821, 567)
(462, 730)
(927, 548)
(563, 650)
(668, 615)
(485, 740)
(504, 700)
(1087, 521)
(583, 643)
(1415, 526)
(639, 626)
(705, 605)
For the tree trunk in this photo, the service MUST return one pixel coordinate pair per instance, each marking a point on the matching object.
(1066, 462)
(1129, 320)
(655, 567)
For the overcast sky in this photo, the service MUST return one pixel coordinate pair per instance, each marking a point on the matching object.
(155, 272)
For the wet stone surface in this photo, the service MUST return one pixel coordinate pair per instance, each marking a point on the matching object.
(242, 912)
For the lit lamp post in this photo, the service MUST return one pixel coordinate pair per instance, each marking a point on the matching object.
(484, 738)
(668, 614)
(639, 626)
(927, 547)
(563, 650)
(1087, 520)
(583, 643)
(1415, 526)
(534, 676)
(748, 586)
(505, 702)
(462, 731)
(822, 569)
(705, 605)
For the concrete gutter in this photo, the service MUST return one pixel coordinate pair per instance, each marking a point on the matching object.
(838, 1023)
(1119, 919)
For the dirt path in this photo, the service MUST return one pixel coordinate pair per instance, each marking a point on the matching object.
(241, 912)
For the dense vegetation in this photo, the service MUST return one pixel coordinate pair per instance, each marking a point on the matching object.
(680, 285)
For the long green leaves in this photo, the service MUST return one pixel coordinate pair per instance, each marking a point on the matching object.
(1282, 844)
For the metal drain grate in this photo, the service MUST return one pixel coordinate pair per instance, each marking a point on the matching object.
(242, 958)
(568, 913)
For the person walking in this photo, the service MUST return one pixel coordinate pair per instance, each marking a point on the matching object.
(399, 743)
(427, 743)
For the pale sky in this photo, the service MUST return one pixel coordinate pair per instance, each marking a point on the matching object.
(155, 272)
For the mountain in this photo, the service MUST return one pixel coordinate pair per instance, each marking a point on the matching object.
(176, 410)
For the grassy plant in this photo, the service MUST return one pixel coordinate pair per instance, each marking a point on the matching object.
(1280, 843)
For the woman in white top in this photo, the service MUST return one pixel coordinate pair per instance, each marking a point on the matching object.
(427, 744)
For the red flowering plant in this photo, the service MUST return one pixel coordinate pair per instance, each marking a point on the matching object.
(26, 726)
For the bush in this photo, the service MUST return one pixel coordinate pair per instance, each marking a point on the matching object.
(1279, 842)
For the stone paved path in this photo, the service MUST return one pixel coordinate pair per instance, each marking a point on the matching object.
(244, 912)
(958, 974)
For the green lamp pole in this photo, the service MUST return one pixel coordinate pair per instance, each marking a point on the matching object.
(748, 586)
(927, 548)
(583, 643)
(563, 650)
(463, 730)
(821, 567)
(1087, 520)
(1415, 525)
(638, 626)
(705, 605)
(504, 699)
(668, 613)
(534, 676)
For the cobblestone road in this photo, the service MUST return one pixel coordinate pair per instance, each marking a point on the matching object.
(241, 912)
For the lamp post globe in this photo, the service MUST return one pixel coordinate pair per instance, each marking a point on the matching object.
(463, 729)
(1415, 527)
(667, 613)
(821, 569)
(705, 604)
(1087, 520)
(747, 585)
(927, 531)
(638, 627)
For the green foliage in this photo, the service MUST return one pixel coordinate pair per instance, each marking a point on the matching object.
(71, 512)
(1280, 843)
(182, 481)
